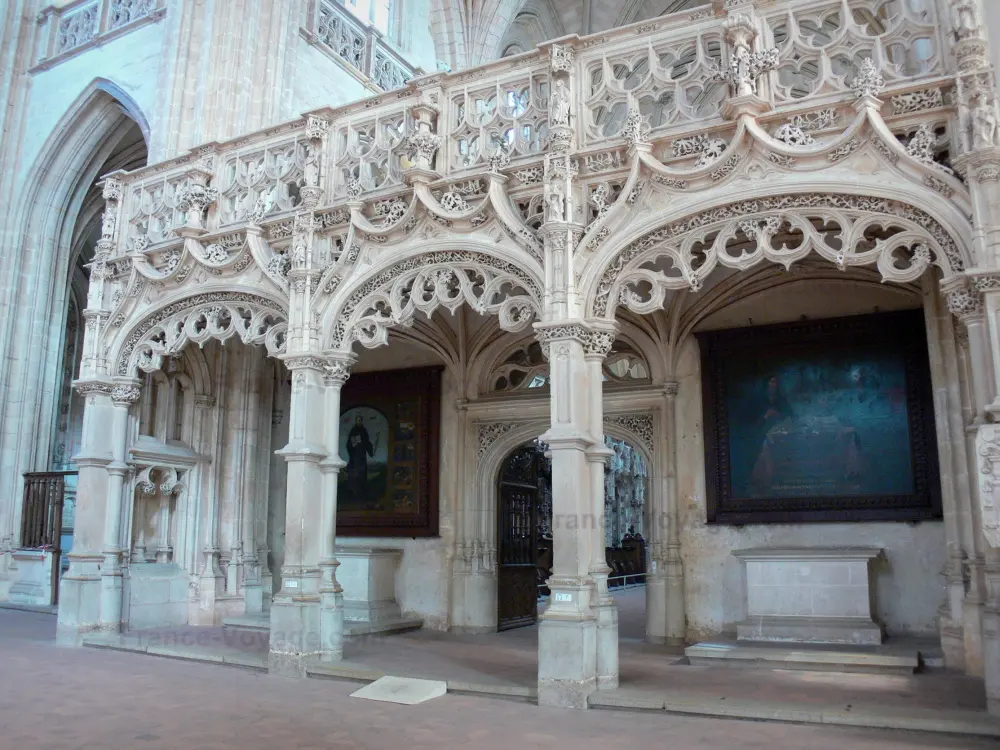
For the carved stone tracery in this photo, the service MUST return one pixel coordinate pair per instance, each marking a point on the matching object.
(901, 255)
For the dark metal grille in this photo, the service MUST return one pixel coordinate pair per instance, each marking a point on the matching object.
(41, 516)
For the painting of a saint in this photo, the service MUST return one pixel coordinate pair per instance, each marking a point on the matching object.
(364, 448)
(388, 438)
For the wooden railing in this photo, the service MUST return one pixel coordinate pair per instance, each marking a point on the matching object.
(41, 516)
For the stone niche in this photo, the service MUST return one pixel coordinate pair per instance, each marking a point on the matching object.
(809, 595)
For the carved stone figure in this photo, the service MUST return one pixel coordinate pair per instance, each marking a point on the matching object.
(984, 123)
(559, 105)
(555, 202)
(311, 167)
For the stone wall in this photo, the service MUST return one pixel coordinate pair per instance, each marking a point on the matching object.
(909, 583)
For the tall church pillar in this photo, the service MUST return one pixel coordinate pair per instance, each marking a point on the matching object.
(599, 341)
(331, 623)
(295, 612)
(979, 162)
(123, 395)
(568, 632)
(80, 589)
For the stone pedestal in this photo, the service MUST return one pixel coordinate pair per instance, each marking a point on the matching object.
(368, 577)
(809, 596)
(33, 581)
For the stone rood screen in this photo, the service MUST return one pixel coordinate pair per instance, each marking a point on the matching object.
(576, 134)
(671, 70)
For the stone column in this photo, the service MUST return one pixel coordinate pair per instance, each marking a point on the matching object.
(600, 340)
(331, 623)
(80, 589)
(296, 638)
(123, 395)
(672, 562)
(567, 633)
(966, 304)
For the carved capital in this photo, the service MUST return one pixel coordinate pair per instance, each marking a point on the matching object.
(965, 304)
(93, 387)
(337, 370)
(305, 362)
(125, 394)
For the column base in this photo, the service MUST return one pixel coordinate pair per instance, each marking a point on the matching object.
(79, 601)
(296, 639)
(565, 693)
(567, 662)
(331, 624)
(656, 609)
(607, 645)
(991, 659)
(972, 636)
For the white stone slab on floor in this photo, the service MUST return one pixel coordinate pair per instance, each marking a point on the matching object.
(405, 690)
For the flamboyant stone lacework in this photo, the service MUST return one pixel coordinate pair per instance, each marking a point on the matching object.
(526, 367)
(511, 118)
(77, 28)
(824, 45)
(219, 316)
(359, 46)
(484, 187)
(66, 31)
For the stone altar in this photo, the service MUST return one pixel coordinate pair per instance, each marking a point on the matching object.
(809, 595)
(368, 577)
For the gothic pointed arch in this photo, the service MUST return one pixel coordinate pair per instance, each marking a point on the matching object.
(902, 231)
(165, 331)
(41, 225)
(451, 274)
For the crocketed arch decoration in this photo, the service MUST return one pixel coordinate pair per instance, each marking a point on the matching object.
(847, 230)
(218, 315)
(446, 278)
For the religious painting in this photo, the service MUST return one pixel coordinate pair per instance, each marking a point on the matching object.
(389, 428)
(827, 420)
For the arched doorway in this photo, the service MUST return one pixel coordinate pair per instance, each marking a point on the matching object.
(524, 532)
(524, 537)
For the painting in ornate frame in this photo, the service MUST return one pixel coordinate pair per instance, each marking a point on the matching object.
(389, 440)
(820, 420)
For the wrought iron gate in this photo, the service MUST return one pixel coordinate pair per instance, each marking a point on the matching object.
(517, 548)
(41, 517)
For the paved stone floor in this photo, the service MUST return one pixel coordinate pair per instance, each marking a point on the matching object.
(53, 697)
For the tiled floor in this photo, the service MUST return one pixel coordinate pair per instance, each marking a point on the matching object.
(53, 697)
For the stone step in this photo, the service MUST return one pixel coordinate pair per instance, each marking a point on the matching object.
(255, 623)
(804, 657)
(352, 628)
